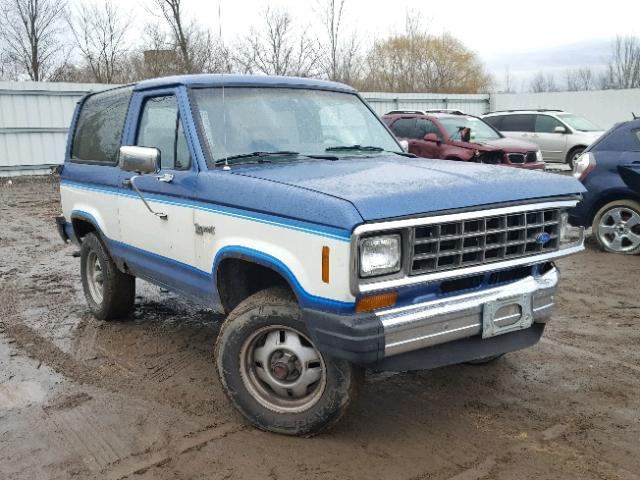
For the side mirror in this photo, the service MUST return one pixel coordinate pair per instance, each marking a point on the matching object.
(431, 137)
(139, 159)
(559, 129)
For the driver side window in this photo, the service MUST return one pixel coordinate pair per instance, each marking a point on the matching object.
(161, 127)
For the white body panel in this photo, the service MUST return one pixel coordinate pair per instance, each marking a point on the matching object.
(175, 238)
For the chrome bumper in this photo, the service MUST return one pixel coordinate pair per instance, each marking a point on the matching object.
(432, 323)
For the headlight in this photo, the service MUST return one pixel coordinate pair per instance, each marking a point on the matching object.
(379, 255)
(539, 156)
(569, 235)
(583, 165)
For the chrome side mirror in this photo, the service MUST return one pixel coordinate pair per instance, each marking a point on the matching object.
(141, 160)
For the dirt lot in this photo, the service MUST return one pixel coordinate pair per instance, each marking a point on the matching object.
(139, 399)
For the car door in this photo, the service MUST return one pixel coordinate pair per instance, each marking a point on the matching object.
(404, 129)
(428, 149)
(552, 144)
(160, 249)
(518, 125)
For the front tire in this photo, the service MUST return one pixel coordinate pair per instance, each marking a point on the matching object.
(273, 373)
(110, 293)
(616, 227)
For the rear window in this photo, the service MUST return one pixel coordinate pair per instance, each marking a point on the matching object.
(517, 123)
(99, 129)
(404, 127)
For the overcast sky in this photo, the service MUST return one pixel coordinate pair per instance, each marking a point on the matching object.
(525, 36)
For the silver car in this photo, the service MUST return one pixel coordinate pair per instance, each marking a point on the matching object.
(561, 136)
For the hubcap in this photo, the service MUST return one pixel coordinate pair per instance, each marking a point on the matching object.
(95, 277)
(619, 229)
(282, 369)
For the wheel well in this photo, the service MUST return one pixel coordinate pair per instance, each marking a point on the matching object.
(237, 279)
(82, 227)
(612, 197)
(455, 159)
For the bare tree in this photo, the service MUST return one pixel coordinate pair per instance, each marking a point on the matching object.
(31, 33)
(197, 50)
(623, 69)
(580, 79)
(543, 83)
(99, 32)
(340, 55)
(507, 83)
(275, 50)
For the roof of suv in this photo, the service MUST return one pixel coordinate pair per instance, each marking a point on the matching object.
(538, 110)
(218, 80)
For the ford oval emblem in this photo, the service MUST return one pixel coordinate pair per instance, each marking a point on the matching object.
(542, 238)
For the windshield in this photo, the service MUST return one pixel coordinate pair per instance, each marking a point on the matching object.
(252, 122)
(579, 123)
(480, 131)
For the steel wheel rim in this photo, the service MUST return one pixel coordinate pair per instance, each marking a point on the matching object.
(619, 229)
(267, 354)
(95, 277)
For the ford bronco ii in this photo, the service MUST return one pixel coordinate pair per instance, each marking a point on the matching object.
(289, 203)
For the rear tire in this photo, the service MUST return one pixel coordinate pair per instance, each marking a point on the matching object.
(573, 155)
(273, 373)
(110, 293)
(616, 227)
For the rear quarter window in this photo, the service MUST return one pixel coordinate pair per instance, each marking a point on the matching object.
(98, 132)
(495, 122)
(518, 123)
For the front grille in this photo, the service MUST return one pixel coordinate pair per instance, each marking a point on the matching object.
(516, 157)
(532, 157)
(464, 243)
(491, 158)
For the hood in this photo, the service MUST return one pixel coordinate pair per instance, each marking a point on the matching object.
(393, 186)
(509, 145)
(590, 137)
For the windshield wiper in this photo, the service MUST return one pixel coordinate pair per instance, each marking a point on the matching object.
(258, 155)
(360, 148)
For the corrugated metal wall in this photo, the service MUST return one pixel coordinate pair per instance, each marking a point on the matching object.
(385, 102)
(34, 118)
(603, 107)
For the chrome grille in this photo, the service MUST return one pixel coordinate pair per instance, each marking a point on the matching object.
(532, 157)
(477, 241)
(516, 157)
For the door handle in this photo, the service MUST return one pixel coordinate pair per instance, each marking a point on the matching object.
(131, 181)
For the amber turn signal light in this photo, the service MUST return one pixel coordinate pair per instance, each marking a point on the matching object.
(375, 302)
(325, 264)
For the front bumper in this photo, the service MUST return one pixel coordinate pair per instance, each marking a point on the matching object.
(376, 338)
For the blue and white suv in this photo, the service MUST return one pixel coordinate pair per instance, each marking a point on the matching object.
(288, 202)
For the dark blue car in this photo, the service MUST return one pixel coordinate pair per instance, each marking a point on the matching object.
(610, 170)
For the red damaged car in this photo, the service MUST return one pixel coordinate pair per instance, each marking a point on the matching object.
(454, 135)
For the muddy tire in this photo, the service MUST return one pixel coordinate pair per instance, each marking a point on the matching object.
(272, 372)
(486, 360)
(616, 227)
(110, 293)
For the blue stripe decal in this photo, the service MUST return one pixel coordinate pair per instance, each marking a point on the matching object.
(305, 298)
(328, 232)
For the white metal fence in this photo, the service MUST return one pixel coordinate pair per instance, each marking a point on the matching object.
(35, 116)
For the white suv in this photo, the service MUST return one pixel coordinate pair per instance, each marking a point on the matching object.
(561, 136)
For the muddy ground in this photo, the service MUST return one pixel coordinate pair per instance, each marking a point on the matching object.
(139, 399)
